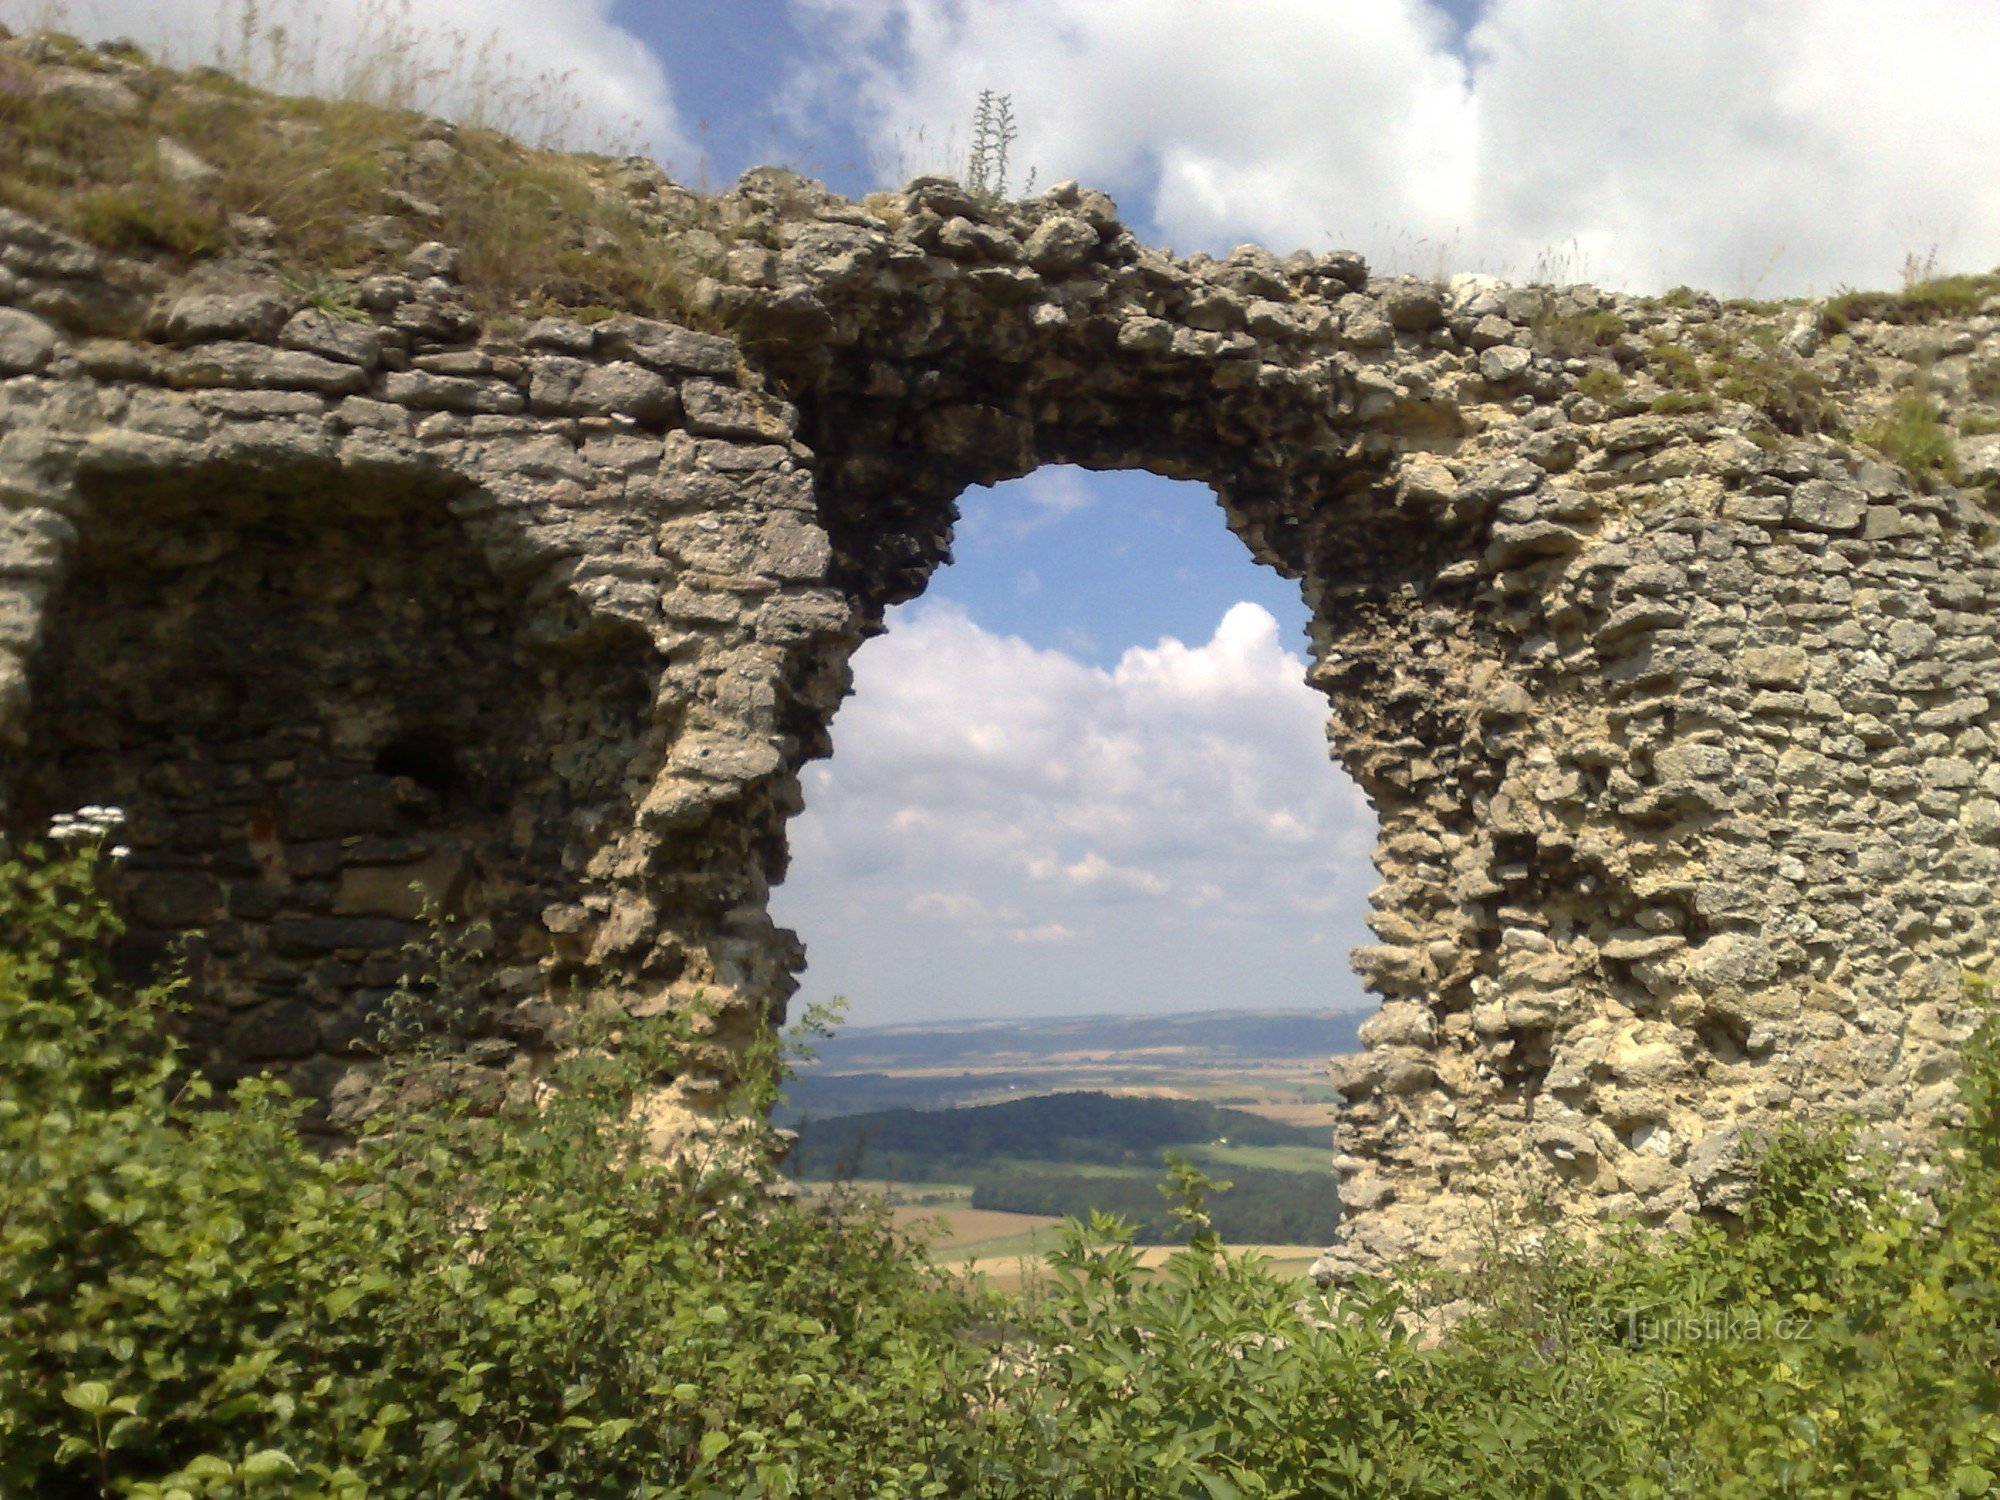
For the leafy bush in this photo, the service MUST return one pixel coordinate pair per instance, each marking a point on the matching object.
(528, 1305)
(196, 1305)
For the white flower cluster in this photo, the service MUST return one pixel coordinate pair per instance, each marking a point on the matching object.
(91, 823)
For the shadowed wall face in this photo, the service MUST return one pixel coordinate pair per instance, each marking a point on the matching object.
(327, 729)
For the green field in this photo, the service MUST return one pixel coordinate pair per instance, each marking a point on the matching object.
(1071, 1154)
(1312, 1160)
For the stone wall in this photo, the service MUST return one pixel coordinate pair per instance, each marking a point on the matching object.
(1675, 720)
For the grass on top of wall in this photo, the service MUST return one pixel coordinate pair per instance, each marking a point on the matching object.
(91, 139)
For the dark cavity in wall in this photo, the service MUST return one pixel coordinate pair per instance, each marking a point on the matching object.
(329, 735)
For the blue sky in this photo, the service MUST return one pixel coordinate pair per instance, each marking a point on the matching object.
(732, 62)
(1094, 563)
(1084, 770)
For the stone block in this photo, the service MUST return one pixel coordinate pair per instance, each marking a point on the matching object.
(1773, 666)
(461, 393)
(405, 891)
(275, 1030)
(669, 347)
(27, 344)
(1821, 505)
(256, 310)
(247, 366)
(716, 410)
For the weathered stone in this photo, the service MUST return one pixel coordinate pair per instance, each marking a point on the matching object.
(1061, 243)
(344, 339)
(182, 167)
(278, 1029)
(1774, 666)
(1629, 434)
(722, 411)
(1503, 362)
(433, 258)
(1823, 506)
(27, 344)
(406, 891)
(239, 308)
(667, 346)
(627, 389)
(238, 366)
(1412, 305)
(428, 392)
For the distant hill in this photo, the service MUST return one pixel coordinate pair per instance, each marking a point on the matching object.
(1082, 1127)
(1219, 1034)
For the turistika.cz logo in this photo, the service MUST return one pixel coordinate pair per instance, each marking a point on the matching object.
(1643, 1325)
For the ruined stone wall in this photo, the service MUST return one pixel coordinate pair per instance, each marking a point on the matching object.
(359, 617)
(1675, 721)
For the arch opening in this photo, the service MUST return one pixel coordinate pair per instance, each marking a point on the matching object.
(1084, 773)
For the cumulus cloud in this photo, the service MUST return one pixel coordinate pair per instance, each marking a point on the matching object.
(1006, 829)
(490, 60)
(1766, 147)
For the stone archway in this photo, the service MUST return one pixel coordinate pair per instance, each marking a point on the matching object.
(1675, 721)
(1597, 670)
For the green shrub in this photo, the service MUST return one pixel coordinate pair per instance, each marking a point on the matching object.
(1578, 335)
(1923, 301)
(528, 1305)
(1792, 395)
(1683, 401)
(1915, 436)
(1601, 384)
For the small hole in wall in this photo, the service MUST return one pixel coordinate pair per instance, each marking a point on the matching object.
(428, 758)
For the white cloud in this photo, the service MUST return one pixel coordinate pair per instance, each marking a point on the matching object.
(490, 60)
(1004, 828)
(1734, 145)
(1769, 147)
(1048, 932)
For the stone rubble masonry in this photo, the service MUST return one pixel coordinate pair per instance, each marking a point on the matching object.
(1679, 728)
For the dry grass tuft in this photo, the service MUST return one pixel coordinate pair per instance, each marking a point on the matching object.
(338, 178)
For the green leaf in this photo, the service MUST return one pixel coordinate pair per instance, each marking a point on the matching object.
(92, 1397)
